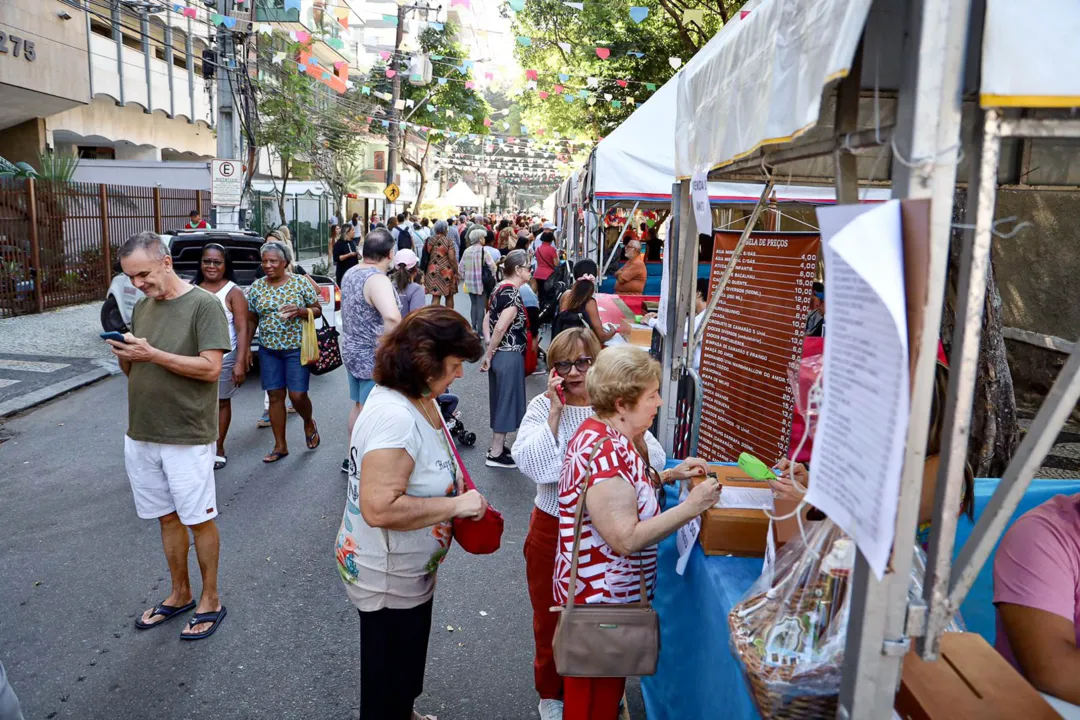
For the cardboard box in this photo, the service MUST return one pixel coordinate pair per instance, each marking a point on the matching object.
(732, 531)
(970, 681)
(640, 335)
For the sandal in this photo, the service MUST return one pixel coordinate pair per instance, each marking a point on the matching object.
(199, 619)
(166, 612)
(313, 440)
(274, 456)
(220, 461)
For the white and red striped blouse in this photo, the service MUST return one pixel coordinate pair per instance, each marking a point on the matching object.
(603, 575)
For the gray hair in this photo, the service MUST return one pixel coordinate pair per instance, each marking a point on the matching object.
(477, 235)
(147, 241)
(441, 228)
(514, 260)
(478, 219)
(279, 248)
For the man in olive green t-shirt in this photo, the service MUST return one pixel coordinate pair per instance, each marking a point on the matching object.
(172, 358)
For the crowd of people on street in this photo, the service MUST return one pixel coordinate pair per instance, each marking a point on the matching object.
(403, 345)
(585, 442)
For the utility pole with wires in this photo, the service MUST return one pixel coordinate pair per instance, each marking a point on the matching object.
(228, 122)
(395, 137)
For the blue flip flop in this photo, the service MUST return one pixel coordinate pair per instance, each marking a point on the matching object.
(199, 619)
(166, 611)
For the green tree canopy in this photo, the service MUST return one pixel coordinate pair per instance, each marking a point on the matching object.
(639, 55)
(429, 103)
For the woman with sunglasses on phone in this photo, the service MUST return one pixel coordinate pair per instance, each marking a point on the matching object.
(215, 275)
(550, 421)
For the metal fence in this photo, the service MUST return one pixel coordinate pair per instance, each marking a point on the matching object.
(308, 218)
(58, 240)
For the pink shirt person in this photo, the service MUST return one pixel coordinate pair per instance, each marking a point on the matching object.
(1037, 565)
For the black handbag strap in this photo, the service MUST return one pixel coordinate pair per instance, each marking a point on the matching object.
(579, 515)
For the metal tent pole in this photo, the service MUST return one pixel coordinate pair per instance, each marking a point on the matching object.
(947, 583)
(669, 384)
(618, 242)
(1033, 448)
(927, 135)
(974, 268)
(683, 269)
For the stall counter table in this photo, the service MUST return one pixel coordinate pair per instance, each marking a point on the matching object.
(699, 677)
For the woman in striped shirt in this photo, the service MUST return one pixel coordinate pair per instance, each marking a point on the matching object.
(550, 422)
(622, 522)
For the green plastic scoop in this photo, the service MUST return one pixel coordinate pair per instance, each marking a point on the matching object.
(755, 468)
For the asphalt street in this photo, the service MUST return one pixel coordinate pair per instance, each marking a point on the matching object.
(78, 567)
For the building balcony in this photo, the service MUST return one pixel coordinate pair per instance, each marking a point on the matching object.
(314, 17)
(185, 97)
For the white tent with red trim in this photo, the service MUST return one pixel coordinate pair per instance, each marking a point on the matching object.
(636, 163)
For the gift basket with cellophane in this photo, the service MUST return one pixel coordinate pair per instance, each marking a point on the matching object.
(789, 630)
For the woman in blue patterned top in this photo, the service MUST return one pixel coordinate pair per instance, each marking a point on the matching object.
(278, 304)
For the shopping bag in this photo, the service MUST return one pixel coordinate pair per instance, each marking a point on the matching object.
(329, 352)
(309, 341)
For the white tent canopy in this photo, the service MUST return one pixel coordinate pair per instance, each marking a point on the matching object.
(759, 81)
(547, 207)
(1030, 54)
(637, 160)
(461, 196)
(636, 163)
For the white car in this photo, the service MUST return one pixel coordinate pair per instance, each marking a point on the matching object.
(186, 250)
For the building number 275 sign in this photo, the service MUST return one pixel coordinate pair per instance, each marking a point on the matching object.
(17, 46)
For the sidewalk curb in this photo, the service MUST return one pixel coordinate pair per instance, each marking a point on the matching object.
(45, 394)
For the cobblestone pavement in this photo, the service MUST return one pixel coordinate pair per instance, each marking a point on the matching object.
(45, 355)
(1063, 461)
(65, 332)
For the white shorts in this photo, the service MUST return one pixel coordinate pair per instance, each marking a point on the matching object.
(168, 478)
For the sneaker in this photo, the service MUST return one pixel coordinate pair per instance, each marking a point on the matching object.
(290, 409)
(264, 421)
(551, 709)
(345, 465)
(501, 461)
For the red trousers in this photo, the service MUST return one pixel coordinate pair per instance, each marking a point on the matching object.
(541, 544)
(592, 698)
(583, 698)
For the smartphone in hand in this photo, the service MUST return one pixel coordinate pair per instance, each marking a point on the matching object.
(113, 335)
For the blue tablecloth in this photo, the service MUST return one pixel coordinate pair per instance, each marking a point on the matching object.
(698, 677)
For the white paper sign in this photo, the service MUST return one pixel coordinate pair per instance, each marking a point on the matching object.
(859, 445)
(227, 182)
(687, 534)
(665, 263)
(699, 199)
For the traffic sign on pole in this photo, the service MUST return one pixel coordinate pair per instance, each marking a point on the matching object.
(226, 182)
(392, 192)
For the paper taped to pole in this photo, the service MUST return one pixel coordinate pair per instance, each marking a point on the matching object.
(859, 445)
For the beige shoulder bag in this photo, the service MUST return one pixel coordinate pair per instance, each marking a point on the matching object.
(604, 640)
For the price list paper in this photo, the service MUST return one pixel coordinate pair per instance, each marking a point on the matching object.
(755, 333)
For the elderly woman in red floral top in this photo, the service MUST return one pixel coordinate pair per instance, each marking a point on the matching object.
(622, 522)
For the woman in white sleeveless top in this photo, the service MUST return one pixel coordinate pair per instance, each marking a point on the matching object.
(215, 275)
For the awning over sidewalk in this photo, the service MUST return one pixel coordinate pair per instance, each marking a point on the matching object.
(759, 81)
(1031, 54)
